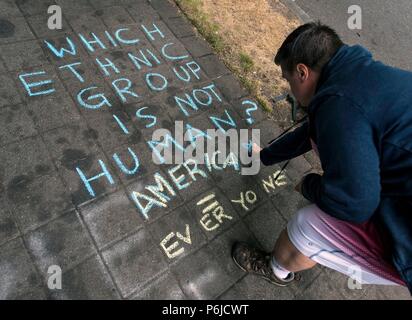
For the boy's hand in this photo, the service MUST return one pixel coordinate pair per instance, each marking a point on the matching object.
(256, 148)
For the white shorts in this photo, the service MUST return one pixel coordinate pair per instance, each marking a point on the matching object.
(357, 250)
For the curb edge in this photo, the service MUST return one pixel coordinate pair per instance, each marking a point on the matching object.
(302, 15)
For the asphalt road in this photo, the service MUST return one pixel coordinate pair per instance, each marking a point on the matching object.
(386, 30)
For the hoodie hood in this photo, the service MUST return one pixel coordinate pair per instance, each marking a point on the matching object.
(335, 74)
(341, 62)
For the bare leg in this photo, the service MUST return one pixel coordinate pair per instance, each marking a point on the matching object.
(289, 257)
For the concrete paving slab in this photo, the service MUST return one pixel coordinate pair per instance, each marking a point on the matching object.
(202, 277)
(63, 242)
(155, 291)
(87, 281)
(117, 219)
(19, 276)
(134, 261)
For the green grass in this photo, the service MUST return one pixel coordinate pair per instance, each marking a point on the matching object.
(209, 30)
(249, 84)
(252, 87)
(264, 103)
(246, 62)
(239, 63)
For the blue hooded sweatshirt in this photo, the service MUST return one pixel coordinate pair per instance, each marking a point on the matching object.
(361, 120)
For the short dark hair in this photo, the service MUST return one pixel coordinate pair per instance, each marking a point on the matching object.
(312, 44)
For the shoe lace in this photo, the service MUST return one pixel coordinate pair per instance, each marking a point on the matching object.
(258, 264)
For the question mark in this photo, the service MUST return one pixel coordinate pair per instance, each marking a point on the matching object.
(249, 110)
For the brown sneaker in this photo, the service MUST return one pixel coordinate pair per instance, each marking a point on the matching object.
(257, 262)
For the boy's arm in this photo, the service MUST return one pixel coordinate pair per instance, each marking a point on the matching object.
(350, 186)
(288, 147)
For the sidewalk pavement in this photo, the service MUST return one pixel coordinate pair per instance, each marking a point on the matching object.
(75, 163)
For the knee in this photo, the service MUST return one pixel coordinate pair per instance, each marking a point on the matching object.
(303, 228)
(304, 219)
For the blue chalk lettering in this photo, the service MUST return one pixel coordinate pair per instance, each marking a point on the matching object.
(120, 91)
(144, 210)
(89, 42)
(142, 116)
(121, 125)
(211, 163)
(149, 33)
(170, 57)
(155, 58)
(186, 78)
(159, 188)
(28, 86)
(123, 167)
(110, 39)
(166, 144)
(105, 66)
(62, 51)
(195, 170)
(209, 97)
(73, 70)
(103, 102)
(212, 87)
(150, 83)
(189, 101)
(144, 60)
(192, 138)
(194, 70)
(249, 110)
(207, 162)
(87, 181)
(247, 145)
(125, 41)
(216, 121)
(177, 181)
(231, 160)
